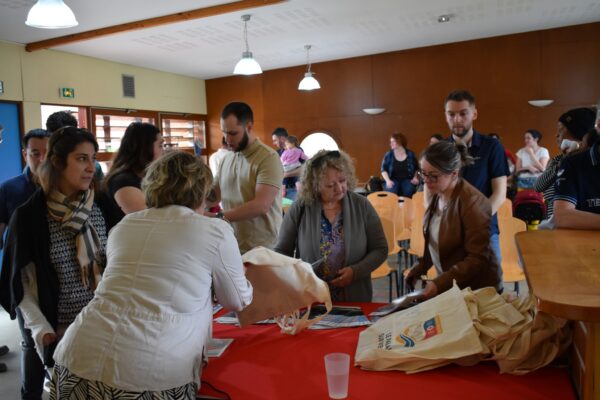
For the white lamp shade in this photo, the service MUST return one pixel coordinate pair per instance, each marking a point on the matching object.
(540, 103)
(308, 82)
(51, 14)
(247, 65)
(373, 111)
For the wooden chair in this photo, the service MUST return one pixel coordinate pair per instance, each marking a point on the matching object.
(386, 206)
(417, 241)
(511, 265)
(505, 210)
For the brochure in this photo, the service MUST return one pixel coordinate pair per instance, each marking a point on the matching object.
(217, 346)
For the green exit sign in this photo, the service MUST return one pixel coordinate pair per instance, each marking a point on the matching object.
(68, 93)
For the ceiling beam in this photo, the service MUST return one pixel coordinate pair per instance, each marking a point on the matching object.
(151, 23)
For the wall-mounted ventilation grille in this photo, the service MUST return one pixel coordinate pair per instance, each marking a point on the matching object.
(128, 86)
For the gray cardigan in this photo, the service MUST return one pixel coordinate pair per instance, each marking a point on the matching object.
(366, 245)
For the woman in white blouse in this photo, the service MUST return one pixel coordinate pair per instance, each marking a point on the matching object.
(531, 160)
(144, 332)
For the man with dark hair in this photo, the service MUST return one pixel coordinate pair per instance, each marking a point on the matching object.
(248, 181)
(61, 119)
(290, 177)
(490, 171)
(278, 137)
(13, 193)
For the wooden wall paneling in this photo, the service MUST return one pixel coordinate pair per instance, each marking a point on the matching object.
(502, 72)
(225, 90)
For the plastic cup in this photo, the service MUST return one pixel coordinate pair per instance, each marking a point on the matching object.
(337, 367)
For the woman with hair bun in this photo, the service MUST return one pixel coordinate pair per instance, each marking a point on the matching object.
(456, 226)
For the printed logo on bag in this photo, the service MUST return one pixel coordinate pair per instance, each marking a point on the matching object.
(411, 335)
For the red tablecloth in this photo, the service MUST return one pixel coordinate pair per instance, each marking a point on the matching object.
(262, 363)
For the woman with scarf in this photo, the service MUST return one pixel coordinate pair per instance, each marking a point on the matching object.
(55, 248)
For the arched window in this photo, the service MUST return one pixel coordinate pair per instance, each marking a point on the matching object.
(318, 141)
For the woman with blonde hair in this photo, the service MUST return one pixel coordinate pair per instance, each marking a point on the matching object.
(335, 229)
(144, 333)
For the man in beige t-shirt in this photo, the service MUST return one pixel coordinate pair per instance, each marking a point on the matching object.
(248, 181)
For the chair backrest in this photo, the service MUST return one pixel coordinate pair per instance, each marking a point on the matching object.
(386, 206)
(409, 212)
(505, 210)
(417, 241)
(511, 264)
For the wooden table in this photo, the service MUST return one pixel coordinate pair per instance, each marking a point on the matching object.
(563, 271)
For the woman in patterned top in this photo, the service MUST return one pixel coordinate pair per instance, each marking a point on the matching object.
(55, 249)
(335, 229)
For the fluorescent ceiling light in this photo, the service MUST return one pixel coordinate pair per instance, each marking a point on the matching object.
(540, 103)
(373, 111)
(51, 14)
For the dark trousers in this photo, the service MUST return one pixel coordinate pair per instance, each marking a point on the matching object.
(32, 368)
(402, 188)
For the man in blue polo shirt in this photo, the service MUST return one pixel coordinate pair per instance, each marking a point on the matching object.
(13, 193)
(577, 200)
(490, 170)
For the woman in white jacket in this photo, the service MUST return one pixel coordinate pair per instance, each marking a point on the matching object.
(151, 315)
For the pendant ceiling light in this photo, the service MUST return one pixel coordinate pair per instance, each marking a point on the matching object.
(308, 82)
(51, 14)
(247, 64)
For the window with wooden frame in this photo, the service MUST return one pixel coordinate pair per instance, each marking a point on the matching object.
(185, 132)
(109, 125)
(79, 112)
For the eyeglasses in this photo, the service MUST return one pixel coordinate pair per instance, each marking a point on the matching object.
(317, 162)
(433, 178)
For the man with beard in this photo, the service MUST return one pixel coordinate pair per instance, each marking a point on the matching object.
(248, 181)
(490, 171)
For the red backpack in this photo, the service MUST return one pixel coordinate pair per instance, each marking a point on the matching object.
(529, 205)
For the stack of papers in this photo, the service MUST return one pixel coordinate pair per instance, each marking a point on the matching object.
(231, 319)
(338, 317)
(216, 346)
(398, 304)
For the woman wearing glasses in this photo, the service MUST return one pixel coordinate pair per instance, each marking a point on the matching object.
(456, 225)
(335, 229)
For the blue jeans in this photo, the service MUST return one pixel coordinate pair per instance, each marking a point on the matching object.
(290, 193)
(495, 244)
(402, 188)
(32, 368)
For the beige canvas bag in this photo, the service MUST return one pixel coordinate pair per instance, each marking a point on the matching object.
(426, 336)
(514, 334)
(282, 286)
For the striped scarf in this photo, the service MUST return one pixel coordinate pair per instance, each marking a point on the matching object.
(73, 215)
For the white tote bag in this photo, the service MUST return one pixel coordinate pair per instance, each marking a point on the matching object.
(281, 287)
(426, 336)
